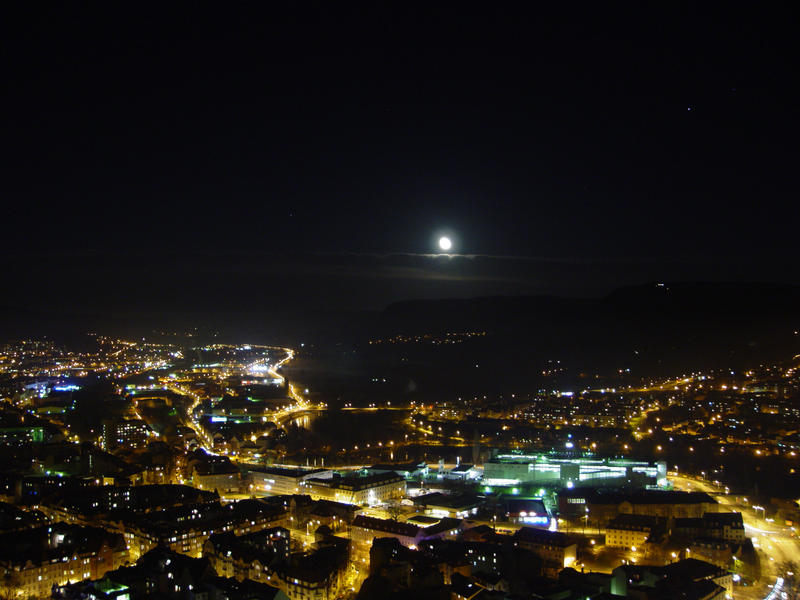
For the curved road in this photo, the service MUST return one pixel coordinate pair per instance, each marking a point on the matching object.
(778, 544)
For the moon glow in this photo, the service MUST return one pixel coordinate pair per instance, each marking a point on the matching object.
(445, 243)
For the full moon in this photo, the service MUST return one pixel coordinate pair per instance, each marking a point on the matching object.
(445, 243)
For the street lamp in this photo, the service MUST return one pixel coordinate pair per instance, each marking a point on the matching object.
(585, 520)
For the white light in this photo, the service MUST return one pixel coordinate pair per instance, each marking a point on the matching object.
(445, 243)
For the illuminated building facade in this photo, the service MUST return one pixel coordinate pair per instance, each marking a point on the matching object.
(556, 549)
(277, 481)
(630, 531)
(127, 433)
(19, 436)
(370, 489)
(37, 559)
(505, 470)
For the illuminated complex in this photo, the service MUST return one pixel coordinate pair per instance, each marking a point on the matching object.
(505, 470)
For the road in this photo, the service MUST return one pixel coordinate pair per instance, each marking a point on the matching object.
(777, 544)
(301, 404)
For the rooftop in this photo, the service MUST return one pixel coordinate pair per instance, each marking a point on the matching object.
(542, 536)
(595, 496)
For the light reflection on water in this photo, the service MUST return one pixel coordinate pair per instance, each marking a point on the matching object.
(353, 426)
(303, 422)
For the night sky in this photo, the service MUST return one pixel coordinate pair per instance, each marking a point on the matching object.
(204, 157)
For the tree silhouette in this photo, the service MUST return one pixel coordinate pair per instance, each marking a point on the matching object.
(10, 585)
(395, 510)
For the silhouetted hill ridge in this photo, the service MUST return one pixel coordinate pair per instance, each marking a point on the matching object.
(681, 302)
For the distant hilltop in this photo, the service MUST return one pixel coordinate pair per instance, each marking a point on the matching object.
(681, 301)
(666, 324)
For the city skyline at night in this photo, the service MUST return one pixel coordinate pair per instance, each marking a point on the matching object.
(368, 302)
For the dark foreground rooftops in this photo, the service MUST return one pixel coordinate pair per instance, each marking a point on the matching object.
(542, 536)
